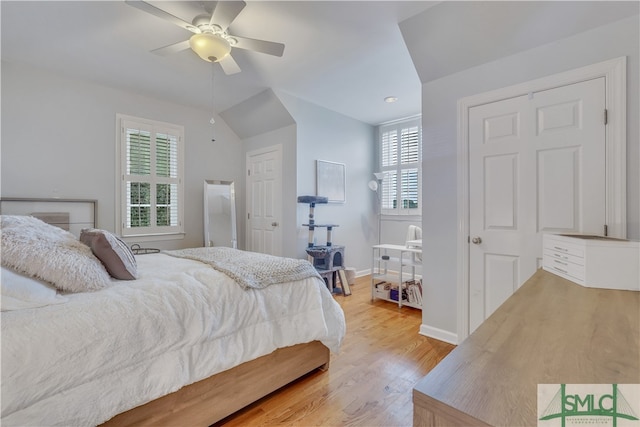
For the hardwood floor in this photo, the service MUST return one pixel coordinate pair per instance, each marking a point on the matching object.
(369, 383)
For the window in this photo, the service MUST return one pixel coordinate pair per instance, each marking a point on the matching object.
(150, 192)
(400, 164)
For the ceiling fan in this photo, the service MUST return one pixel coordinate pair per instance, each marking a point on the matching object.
(210, 39)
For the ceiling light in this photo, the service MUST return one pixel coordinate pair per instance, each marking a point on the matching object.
(210, 47)
(390, 99)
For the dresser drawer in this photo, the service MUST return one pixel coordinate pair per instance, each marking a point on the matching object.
(564, 267)
(563, 257)
(564, 248)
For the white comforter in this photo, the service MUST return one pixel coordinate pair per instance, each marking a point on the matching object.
(102, 353)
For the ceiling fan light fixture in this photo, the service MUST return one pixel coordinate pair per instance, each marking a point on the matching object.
(210, 47)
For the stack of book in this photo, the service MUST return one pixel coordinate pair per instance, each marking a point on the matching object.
(414, 291)
(411, 291)
(383, 290)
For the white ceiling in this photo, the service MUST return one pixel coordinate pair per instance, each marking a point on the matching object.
(345, 56)
(485, 31)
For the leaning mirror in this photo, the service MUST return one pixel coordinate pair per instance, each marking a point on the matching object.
(219, 214)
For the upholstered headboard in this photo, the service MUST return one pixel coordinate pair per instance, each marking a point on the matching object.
(69, 214)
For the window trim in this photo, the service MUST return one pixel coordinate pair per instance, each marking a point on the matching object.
(156, 233)
(398, 126)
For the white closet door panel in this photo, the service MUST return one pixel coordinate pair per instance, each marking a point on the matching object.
(502, 272)
(501, 192)
(558, 190)
(536, 164)
(503, 126)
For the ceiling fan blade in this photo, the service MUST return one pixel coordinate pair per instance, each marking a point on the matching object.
(229, 65)
(172, 48)
(225, 12)
(146, 7)
(263, 46)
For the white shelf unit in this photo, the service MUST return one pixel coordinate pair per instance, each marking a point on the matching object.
(397, 256)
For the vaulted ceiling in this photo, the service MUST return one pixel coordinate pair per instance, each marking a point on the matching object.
(345, 56)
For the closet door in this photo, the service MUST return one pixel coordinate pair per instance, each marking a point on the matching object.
(536, 165)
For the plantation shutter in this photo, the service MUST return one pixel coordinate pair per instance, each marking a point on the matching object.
(389, 160)
(389, 149)
(388, 194)
(151, 179)
(400, 163)
(410, 156)
(167, 180)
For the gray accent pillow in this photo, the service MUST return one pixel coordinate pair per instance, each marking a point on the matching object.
(37, 249)
(113, 252)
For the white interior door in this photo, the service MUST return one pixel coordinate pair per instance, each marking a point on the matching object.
(264, 200)
(536, 165)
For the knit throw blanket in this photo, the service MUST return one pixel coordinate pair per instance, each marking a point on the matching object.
(250, 269)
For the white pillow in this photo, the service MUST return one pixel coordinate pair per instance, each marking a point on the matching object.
(52, 254)
(20, 292)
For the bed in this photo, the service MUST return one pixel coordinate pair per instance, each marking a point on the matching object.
(180, 343)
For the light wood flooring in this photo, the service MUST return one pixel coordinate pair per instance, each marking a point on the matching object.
(369, 383)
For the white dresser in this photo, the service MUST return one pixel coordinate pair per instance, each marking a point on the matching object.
(593, 261)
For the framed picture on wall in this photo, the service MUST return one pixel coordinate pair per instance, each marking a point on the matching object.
(331, 181)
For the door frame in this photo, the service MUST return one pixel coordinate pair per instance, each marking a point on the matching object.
(277, 148)
(614, 72)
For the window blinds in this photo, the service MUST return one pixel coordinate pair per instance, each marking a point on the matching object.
(152, 179)
(400, 162)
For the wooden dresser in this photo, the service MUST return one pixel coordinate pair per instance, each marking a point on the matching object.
(550, 331)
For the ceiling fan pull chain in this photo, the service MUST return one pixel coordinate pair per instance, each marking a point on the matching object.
(213, 109)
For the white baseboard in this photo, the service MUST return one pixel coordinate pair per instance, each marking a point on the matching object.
(439, 334)
(363, 273)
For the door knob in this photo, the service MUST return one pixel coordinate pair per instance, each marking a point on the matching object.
(274, 224)
(476, 240)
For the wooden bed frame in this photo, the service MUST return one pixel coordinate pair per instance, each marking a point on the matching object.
(214, 398)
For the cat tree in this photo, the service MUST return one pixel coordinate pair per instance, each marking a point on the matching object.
(328, 258)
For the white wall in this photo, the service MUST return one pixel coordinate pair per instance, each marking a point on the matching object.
(394, 230)
(259, 114)
(326, 135)
(440, 138)
(58, 140)
(262, 121)
(308, 133)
